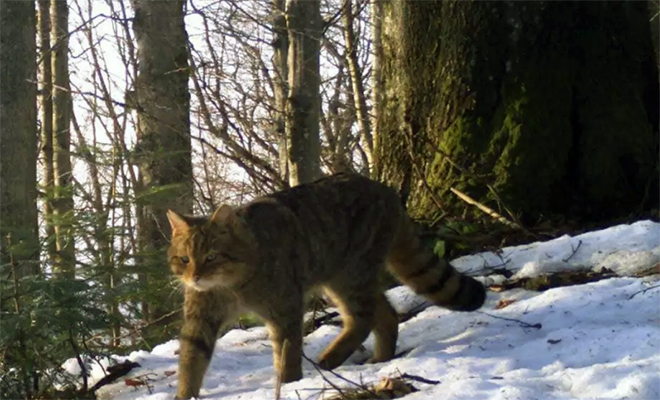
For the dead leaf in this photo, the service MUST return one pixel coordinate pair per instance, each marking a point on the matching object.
(133, 382)
(394, 388)
(504, 303)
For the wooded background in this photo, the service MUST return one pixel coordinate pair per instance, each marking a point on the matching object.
(509, 117)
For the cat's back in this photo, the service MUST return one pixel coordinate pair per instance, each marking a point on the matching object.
(334, 215)
(339, 196)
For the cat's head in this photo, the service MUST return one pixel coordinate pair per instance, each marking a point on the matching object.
(207, 253)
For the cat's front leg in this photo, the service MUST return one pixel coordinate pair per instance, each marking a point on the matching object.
(204, 313)
(286, 336)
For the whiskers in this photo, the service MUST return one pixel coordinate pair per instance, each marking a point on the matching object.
(177, 285)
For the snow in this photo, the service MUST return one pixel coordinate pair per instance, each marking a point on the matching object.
(594, 341)
(625, 249)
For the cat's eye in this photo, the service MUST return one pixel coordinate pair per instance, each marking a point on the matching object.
(185, 259)
(211, 257)
(227, 256)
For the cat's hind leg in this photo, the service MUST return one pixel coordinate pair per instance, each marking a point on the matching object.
(386, 330)
(357, 306)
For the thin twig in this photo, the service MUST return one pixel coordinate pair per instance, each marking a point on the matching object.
(419, 379)
(81, 364)
(643, 291)
(361, 386)
(523, 323)
(320, 371)
(575, 249)
(336, 375)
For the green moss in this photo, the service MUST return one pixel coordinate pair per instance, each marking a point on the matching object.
(547, 103)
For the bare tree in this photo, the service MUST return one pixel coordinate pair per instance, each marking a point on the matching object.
(376, 17)
(280, 82)
(357, 82)
(61, 111)
(304, 24)
(164, 146)
(46, 118)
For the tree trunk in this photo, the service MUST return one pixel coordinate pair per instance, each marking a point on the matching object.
(554, 105)
(359, 96)
(376, 16)
(46, 101)
(164, 147)
(654, 17)
(19, 238)
(280, 66)
(303, 104)
(61, 111)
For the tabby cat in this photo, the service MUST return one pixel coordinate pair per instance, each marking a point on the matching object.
(337, 234)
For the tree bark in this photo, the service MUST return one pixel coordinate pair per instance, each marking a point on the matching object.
(304, 24)
(61, 110)
(164, 146)
(376, 9)
(280, 66)
(46, 101)
(19, 238)
(359, 96)
(554, 105)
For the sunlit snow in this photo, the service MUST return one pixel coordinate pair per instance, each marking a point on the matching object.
(594, 341)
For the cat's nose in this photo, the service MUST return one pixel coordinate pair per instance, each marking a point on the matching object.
(195, 278)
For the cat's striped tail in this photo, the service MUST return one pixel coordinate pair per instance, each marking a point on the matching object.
(431, 276)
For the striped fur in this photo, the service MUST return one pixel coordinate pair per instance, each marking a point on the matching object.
(337, 234)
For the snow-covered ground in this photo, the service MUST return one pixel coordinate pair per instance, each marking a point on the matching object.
(594, 341)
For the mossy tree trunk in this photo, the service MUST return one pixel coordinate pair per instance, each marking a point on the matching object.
(553, 104)
(163, 150)
(19, 240)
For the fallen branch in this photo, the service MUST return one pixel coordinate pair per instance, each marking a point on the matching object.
(115, 372)
(315, 322)
(484, 208)
(558, 279)
(419, 379)
(464, 171)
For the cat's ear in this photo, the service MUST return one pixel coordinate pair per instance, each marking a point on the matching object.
(222, 213)
(177, 222)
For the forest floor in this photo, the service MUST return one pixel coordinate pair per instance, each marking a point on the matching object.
(594, 334)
